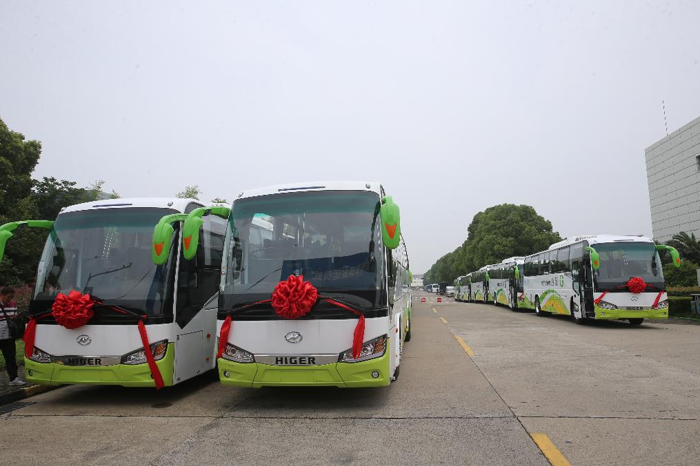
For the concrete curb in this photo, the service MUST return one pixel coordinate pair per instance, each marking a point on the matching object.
(20, 393)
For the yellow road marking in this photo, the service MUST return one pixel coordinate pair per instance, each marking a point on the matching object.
(443, 320)
(434, 310)
(465, 346)
(550, 451)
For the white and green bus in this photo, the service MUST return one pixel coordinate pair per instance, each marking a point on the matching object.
(598, 277)
(103, 313)
(318, 293)
(479, 285)
(505, 282)
(461, 288)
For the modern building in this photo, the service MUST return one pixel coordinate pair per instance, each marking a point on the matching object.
(673, 175)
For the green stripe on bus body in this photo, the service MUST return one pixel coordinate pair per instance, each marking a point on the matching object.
(552, 302)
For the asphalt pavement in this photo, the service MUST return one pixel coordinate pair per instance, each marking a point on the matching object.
(601, 394)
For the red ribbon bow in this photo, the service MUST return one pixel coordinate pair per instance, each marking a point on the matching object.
(72, 311)
(636, 285)
(294, 297)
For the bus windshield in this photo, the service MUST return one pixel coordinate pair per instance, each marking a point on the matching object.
(621, 261)
(332, 238)
(106, 253)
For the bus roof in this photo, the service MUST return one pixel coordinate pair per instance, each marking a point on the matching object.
(314, 186)
(158, 202)
(597, 239)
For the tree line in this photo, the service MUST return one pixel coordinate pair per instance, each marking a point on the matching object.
(499, 232)
(509, 230)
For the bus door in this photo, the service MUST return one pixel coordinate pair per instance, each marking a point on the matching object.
(586, 283)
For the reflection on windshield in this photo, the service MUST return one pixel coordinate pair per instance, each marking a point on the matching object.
(621, 261)
(333, 239)
(106, 253)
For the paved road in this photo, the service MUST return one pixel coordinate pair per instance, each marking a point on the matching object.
(605, 394)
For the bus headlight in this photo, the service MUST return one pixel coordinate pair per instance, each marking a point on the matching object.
(370, 350)
(662, 304)
(236, 354)
(40, 356)
(606, 305)
(158, 349)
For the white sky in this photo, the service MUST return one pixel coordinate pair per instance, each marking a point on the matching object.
(453, 105)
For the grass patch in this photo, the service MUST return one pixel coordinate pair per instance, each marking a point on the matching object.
(19, 344)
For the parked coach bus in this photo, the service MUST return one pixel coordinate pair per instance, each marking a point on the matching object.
(104, 313)
(506, 282)
(322, 297)
(480, 285)
(598, 277)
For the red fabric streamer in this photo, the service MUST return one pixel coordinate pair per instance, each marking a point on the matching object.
(294, 297)
(600, 298)
(29, 336)
(72, 311)
(155, 372)
(656, 301)
(223, 336)
(636, 285)
(359, 335)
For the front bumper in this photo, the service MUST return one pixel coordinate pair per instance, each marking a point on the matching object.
(614, 314)
(119, 374)
(343, 375)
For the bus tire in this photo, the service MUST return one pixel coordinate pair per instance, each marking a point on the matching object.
(577, 320)
(635, 321)
(538, 308)
(395, 377)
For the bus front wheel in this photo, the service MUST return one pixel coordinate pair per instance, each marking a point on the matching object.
(635, 321)
(538, 308)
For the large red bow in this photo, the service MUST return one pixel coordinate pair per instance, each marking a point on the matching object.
(294, 297)
(636, 285)
(72, 311)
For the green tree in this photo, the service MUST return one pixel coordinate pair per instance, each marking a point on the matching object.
(18, 158)
(190, 192)
(685, 275)
(506, 230)
(687, 245)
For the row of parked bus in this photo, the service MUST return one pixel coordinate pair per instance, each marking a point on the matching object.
(305, 284)
(601, 277)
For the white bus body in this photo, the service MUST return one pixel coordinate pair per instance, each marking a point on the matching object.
(103, 248)
(503, 285)
(330, 234)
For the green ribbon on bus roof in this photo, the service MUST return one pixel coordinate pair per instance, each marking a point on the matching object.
(193, 223)
(391, 223)
(675, 256)
(595, 257)
(6, 230)
(162, 237)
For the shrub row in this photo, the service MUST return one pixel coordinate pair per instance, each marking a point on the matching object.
(682, 290)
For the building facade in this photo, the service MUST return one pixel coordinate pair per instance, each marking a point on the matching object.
(673, 176)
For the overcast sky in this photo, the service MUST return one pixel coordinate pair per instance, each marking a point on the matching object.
(454, 106)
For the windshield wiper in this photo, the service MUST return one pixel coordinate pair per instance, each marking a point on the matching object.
(91, 276)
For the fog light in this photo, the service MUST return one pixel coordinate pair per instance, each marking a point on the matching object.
(227, 374)
(31, 373)
(375, 374)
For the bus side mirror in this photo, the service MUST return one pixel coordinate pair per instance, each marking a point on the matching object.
(193, 223)
(7, 229)
(595, 258)
(162, 237)
(675, 256)
(391, 223)
(517, 273)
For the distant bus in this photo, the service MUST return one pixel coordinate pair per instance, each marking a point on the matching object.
(506, 282)
(480, 285)
(461, 288)
(599, 277)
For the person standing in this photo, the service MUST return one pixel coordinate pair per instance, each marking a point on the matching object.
(7, 343)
